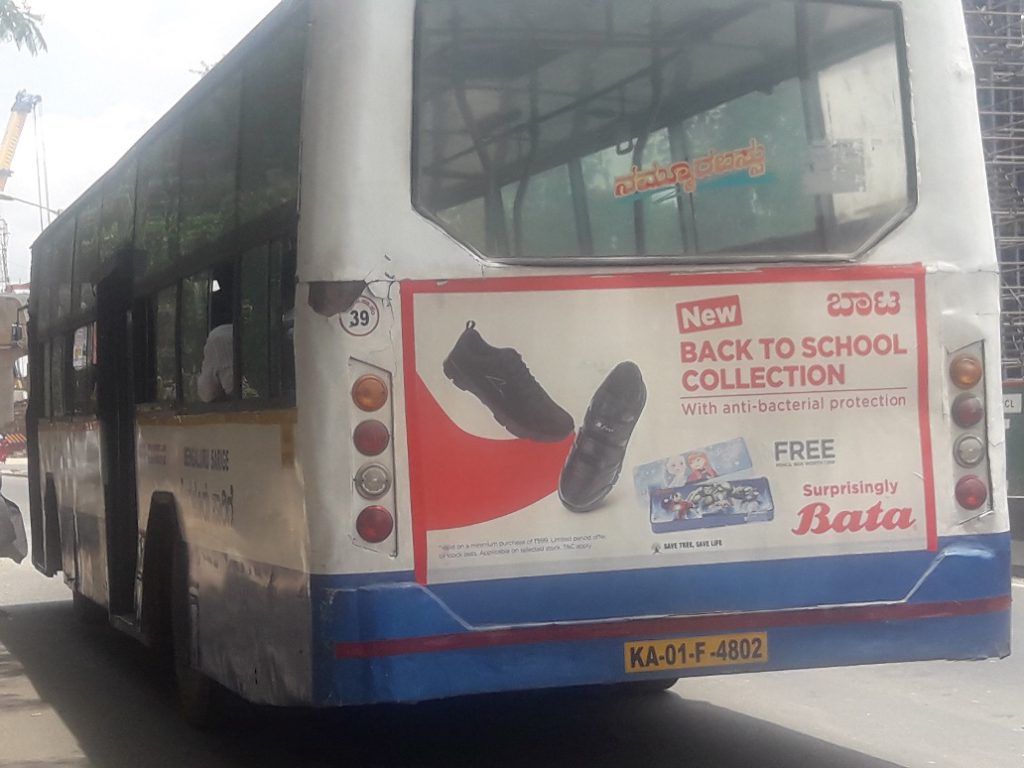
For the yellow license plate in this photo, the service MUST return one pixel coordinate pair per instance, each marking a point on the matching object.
(697, 652)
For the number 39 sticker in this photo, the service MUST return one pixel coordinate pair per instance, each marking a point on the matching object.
(361, 318)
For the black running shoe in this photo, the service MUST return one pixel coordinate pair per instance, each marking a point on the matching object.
(502, 382)
(595, 461)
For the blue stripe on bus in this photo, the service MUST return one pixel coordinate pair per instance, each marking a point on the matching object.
(360, 609)
(434, 675)
(962, 569)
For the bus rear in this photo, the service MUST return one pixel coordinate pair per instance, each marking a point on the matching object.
(667, 345)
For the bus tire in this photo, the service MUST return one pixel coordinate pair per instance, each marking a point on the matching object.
(198, 697)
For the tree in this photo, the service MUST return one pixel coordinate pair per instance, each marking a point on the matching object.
(19, 25)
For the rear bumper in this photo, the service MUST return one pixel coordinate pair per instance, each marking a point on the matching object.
(403, 642)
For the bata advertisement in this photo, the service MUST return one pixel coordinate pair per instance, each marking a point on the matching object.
(568, 424)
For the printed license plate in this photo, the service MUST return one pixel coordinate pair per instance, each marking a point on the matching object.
(697, 652)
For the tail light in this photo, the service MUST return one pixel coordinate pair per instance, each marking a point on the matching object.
(373, 481)
(970, 439)
(969, 451)
(971, 492)
(372, 462)
(966, 371)
(375, 524)
(968, 410)
(371, 438)
(370, 393)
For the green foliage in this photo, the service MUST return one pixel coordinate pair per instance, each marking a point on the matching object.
(20, 26)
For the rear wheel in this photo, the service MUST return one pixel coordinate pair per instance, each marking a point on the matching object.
(198, 695)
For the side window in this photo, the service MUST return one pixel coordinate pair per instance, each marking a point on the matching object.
(208, 168)
(255, 324)
(86, 255)
(195, 327)
(282, 291)
(63, 248)
(117, 213)
(156, 223)
(57, 378)
(166, 312)
(83, 370)
(267, 301)
(41, 301)
(47, 378)
(271, 104)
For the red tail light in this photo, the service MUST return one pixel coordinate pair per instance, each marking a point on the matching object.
(371, 438)
(971, 492)
(374, 524)
(968, 410)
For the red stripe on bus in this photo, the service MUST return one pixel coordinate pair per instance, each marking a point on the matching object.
(665, 279)
(651, 628)
(413, 436)
(931, 527)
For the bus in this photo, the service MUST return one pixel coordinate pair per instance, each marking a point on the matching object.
(440, 347)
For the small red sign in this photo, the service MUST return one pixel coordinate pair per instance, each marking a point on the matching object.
(709, 314)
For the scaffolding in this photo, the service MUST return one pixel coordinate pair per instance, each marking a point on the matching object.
(996, 32)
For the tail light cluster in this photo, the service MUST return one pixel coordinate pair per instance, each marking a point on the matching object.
(970, 439)
(373, 464)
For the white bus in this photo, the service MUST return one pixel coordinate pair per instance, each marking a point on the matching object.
(438, 347)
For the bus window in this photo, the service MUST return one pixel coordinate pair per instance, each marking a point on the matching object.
(59, 272)
(282, 319)
(255, 324)
(271, 103)
(196, 300)
(737, 129)
(267, 301)
(86, 255)
(57, 377)
(44, 274)
(156, 217)
(83, 366)
(534, 227)
(854, 94)
(208, 165)
(47, 378)
(118, 212)
(164, 338)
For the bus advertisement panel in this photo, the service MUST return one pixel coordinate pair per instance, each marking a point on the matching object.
(713, 427)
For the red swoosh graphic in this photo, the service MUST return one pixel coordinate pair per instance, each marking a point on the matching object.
(462, 479)
(466, 479)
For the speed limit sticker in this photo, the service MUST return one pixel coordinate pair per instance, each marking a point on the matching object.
(361, 318)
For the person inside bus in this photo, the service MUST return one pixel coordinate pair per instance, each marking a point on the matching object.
(217, 376)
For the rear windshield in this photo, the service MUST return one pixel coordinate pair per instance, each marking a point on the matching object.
(689, 129)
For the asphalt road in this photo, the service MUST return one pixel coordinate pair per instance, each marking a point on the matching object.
(79, 696)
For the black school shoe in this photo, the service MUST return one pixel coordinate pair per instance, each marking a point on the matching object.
(502, 382)
(595, 461)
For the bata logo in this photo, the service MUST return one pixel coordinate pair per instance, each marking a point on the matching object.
(707, 314)
(818, 518)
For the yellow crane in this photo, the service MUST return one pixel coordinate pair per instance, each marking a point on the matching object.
(24, 103)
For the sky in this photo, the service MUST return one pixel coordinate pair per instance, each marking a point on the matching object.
(112, 69)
